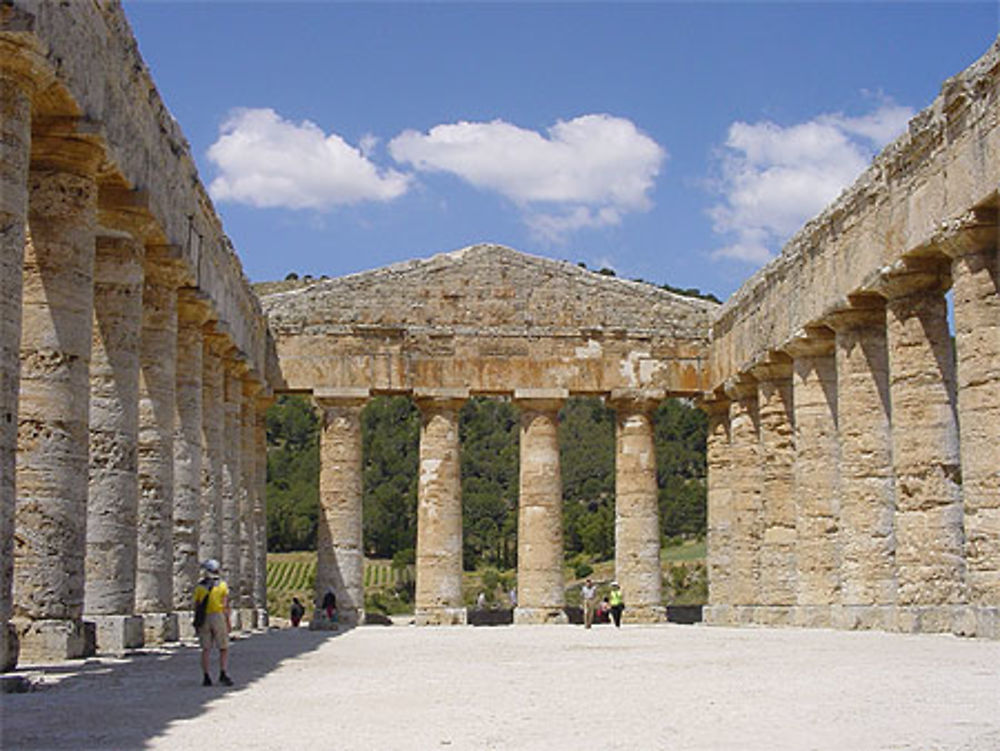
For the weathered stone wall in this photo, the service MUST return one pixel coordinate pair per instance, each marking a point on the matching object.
(877, 466)
(488, 318)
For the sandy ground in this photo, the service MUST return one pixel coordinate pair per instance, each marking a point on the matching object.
(544, 687)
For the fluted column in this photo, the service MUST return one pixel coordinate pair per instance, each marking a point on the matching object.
(264, 400)
(247, 495)
(866, 485)
(540, 594)
(20, 66)
(340, 555)
(54, 409)
(929, 520)
(777, 457)
(192, 314)
(113, 502)
(232, 447)
(817, 459)
(747, 521)
(637, 512)
(154, 591)
(212, 431)
(719, 611)
(976, 292)
(439, 511)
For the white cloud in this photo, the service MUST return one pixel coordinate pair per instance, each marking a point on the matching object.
(267, 161)
(774, 178)
(585, 172)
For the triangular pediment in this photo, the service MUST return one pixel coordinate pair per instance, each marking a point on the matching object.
(491, 288)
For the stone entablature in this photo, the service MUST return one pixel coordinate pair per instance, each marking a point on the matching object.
(488, 318)
(919, 189)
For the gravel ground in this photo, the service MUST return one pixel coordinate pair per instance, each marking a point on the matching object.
(530, 687)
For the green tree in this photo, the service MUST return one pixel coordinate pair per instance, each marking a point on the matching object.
(390, 445)
(292, 474)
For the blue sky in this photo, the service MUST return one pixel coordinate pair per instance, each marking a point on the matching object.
(674, 142)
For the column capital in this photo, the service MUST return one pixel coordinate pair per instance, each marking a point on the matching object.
(713, 404)
(741, 386)
(776, 366)
(341, 397)
(915, 275)
(431, 399)
(193, 307)
(545, 400)
(861, 311)
(973, 232)
(123, 211)
(21, 54)
(69, 144)
(165, 265)
(812, 341)
(639, 400)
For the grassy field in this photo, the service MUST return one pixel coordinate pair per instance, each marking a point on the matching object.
(390, 590)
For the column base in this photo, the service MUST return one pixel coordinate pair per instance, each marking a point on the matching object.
(813, 616)
(774, 615)
(529, 616)
(9, 647)
(248, 619)
(55, 640)
(185, 625)
(441, 617)
(644, 614)
(117, 633)
(867, 618)
(718, 615)
(160, 628)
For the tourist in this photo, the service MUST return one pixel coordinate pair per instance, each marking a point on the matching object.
(330, 605)
(513, 597)
(481, 601)
(617, 605)
(298, 610)
(215, 629)
(589, 594)
(603, 610)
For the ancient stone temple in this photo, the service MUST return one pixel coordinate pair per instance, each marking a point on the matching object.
(487, 320)
(854, 453)
(854, 445)
(123, 311)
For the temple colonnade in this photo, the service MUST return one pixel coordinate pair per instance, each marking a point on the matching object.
(118, 358)
(541, 591)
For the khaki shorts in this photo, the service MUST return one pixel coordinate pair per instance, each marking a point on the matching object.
(214, 630)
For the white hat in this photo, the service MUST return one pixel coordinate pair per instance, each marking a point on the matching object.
(211, 566)
(614, 584)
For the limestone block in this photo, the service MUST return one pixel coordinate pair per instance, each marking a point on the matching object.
(719, 538)
(53, 640)
(160, 628)
(747, 510)
(118, 633)
(231, 476)
(213, 423)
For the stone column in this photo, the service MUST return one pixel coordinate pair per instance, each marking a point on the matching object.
(929, 520)
(777, 461)
(747, 521)
(439, 510)
(154, 592)
(340, 554)
(264, 400)
(866, 485)
(212, 431)
(232, 448)
(192, 314)
(540, 594)
(112, 507)
(817, 459)
(20, 66)
(247, 497)
(54, 408)
(637, 511)
(976, 292)
(719, 611)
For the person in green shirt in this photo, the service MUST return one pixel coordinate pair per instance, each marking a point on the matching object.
(617, 604)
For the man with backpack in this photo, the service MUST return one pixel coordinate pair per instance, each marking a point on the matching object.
(211, 616)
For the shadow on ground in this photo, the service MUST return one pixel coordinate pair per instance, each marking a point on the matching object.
(121, 704)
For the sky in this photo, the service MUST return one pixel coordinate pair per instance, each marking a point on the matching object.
(679, 143)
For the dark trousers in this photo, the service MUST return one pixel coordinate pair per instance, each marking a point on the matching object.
(616, 613)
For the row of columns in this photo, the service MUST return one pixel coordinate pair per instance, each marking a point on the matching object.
(854, 476)
(115, 375)
(541, 594)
